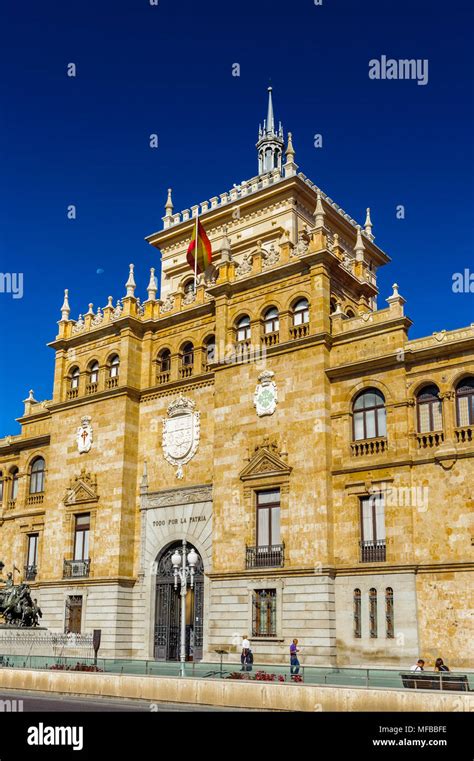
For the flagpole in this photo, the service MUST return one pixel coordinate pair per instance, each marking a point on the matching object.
(196, 247)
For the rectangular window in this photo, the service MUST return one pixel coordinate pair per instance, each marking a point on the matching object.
(32, 551)
(268, 518)
(264, 613)
(373, 518)
(81, 537)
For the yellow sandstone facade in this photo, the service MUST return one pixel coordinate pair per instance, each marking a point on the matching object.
(275, 417)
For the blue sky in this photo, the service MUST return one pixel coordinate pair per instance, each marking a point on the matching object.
(167, 69)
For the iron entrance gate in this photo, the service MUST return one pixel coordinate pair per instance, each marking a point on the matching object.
(168, 610)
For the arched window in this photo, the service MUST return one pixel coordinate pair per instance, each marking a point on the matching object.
(74, 378)
(369, 415)
(333, 306)
(357, 614)
(94, 372)
(301, 312)
(114, 366)
(373, 612)
(37, 476)
(164, 361)
(465, 402)
(350, 314)
(429, 407)
(210, 350)
(271, 322)
(187, 355)
(243, 328)
(189, 286)
(389, 613)
(15, 476)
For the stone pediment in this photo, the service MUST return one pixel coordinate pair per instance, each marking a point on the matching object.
(83, 488)
(266, 461)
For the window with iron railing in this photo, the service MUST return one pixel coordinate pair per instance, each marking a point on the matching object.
(264, 613)
(373, 613)
(372, 526)
(389, 613)
(357, 614)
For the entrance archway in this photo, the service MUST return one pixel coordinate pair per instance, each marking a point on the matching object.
(168, 609)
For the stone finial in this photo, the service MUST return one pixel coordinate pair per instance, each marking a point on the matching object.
(290, 167)
(144, 481)
(130, 285)
(368, 226)
(395, 298)
(226, 247)
(28, 402)
(110, 302)
(319, 214)
(169, 205)
(152, 286)
(359, 248)
(290, 151)
(91, 309)
(65, 309)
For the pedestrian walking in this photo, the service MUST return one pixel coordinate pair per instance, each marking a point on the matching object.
(244, 653)
(294, 662)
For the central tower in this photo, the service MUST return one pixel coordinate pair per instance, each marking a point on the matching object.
(270, 142)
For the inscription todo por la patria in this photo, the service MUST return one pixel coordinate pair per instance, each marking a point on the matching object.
(176, 521)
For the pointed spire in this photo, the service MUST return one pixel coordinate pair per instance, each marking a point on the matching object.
(270, 143)
(152, 286)
(110, 302)
(30, 397)
(130, 285)
(359, 246)
(270, 116)
(91, 309)
(319, 214)
(169, 204)
(368, 226)
(65, 309)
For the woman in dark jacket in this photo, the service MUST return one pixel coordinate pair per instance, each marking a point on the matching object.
(440, 666)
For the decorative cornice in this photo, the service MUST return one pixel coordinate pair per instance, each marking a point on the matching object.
(186, 495)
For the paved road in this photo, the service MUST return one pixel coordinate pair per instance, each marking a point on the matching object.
(54, 702)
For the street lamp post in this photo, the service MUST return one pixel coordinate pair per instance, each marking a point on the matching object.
(182, 573)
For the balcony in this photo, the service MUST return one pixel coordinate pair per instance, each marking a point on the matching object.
(429, 440)
(367, 447)
(76, 569)
(186, 371)
(11, 504)
(271, 339)
(465, 434)
(73, 393)
(299, 331)
(35, 499)
(373, 552)
(163, 377)
(112, 382)
(30, 572)
(265, 556)
(91, 388)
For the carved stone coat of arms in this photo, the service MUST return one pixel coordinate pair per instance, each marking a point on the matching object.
(84, 435)
(181, 433)
(266, 395)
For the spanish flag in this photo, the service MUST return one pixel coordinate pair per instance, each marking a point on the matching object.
(204, 250)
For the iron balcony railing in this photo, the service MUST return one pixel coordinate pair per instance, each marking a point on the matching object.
(373, 551)
(265, 556)
(30, 572)
(74, 569)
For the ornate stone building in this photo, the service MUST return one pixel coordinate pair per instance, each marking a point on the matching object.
(318, 460)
